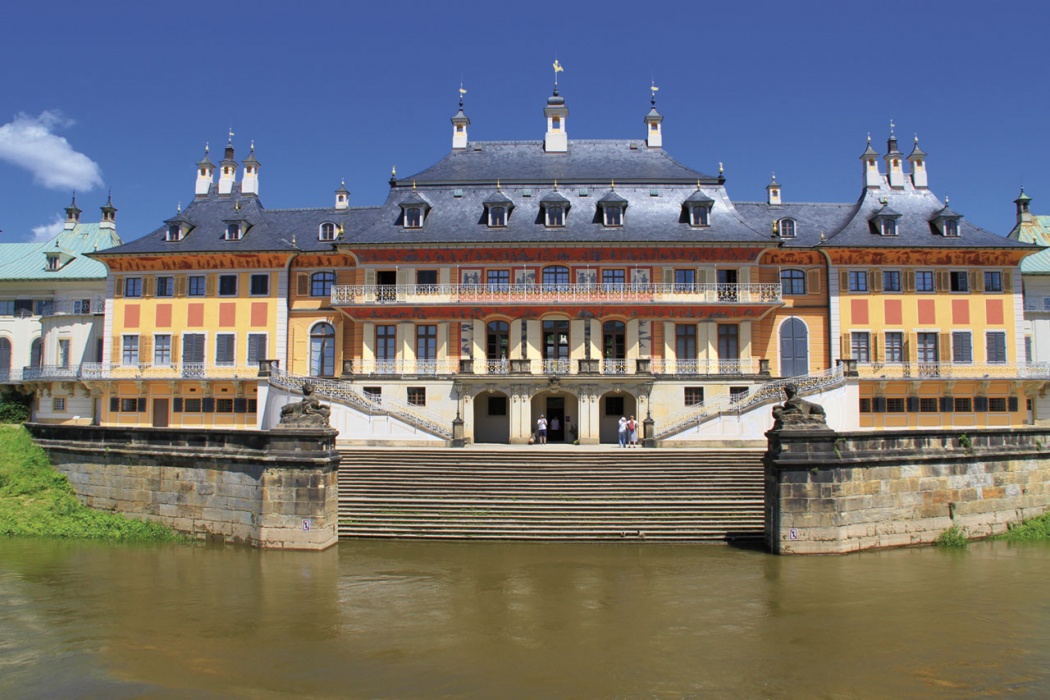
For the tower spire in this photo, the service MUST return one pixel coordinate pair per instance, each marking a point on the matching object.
(460, 122)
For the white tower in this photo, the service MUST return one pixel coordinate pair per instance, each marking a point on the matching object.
(556, 141)
(460, 122)
(227, 169)
(773, 191)
(72, 214)
(205, 173)
(250, 181)
(654, 124)
(917, 158)
(894, 161)
(109, 215)
(342, 196)
(870, 158)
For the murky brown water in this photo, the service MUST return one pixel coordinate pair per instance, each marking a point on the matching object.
(466, 620)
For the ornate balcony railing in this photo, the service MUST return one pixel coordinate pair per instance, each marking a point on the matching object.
(181, 370)
(954, 370)
(401, 367)
(50, 372)
(77, 307)
(560, 366)
(662, 366)
(447, 294)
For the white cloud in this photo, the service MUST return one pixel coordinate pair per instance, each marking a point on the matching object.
(31, 143)
(46, 232)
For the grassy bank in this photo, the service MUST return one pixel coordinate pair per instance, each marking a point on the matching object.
(1031, 530)
(36, 500)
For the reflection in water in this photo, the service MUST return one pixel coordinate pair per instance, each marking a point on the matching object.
(492, 620)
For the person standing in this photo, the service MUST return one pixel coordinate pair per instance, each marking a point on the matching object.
(621, 431)
(632, 432)
(555, 425)
(541, 430)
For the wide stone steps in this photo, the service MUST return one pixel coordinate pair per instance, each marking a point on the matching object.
(551, 494)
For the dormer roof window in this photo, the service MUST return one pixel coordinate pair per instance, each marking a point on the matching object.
(786, 228)
(498, 207)
(174, 233)
(177, 229)
(885, 221)
(326, 232)
(698, 207)
(235, 230)
(57, 258)
(612, 206)
(555, 206)
(946, 222)
(414, 210)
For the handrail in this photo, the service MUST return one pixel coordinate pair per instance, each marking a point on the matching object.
(345, 393)
(589, 293)
(769, 392)
(955, 370)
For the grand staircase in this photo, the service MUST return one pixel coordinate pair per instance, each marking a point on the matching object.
(552, 493)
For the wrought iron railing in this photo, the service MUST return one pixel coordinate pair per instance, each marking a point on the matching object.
(716, 366)
(178, 370)
(77, 307)
(422, 294)
(954, 370)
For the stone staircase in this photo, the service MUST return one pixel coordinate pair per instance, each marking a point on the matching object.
(552, 493)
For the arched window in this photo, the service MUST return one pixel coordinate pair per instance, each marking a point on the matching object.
(36, 353)
(233, 232)
(321, 284)
(497, 216)
(322, 350)
(614, 346)
(413, 217)
(786, 228)
(5, 358)
(793, 282)
(556, 276)
(327, 232)
(497, 346)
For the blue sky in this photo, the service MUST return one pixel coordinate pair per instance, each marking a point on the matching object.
(122, 96)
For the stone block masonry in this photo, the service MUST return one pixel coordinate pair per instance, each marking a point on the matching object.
(269, 489)
(831, 493)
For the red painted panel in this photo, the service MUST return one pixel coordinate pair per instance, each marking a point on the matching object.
(960, 310)
(259, 309)
(927, 311)
(163, 315)
(227, 314)
(858, 309)
(195, 315)
(131, 315)
(894, 312)
(995, 311)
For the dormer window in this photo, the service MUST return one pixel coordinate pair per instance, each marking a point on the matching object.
(327, 232)
(176, 230)
(613, 206)
(698, 216)
(888, 226)
(698, 208)
(786, 228)
(174, 233)
(497, 216)
(946, 222)
(613, 216)
(414, 217)
(498, 206)
(555, 216)
(951, 228)
(53, 262)
(555, 206)
(885, 221)
(234, 232)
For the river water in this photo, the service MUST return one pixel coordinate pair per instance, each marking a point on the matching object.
(506, 620)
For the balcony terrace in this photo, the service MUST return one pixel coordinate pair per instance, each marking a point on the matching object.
(953, 370)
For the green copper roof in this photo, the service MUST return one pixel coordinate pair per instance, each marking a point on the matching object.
(28, 261)
(1035, 231)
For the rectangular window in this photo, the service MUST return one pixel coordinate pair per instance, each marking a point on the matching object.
(1028, 348)
(162, 350)
(386, 343)
(225, 349)
(43, 307)
(894, 347)
(929, 404)
(23, 308)
(427, 278)
(924, 281)
(133, 287)
(426, 342)
(253, 405)
(497, 279)
(793, 282)
(165, 286)
(860, 346)
(375, 393)
(417, 396)
(993, 281)
(959, 280)
(928, 347)
(614, 280)
(865, 405)
(192, 406)
(63, 352)
(728, 341)
(858, 280)
(614, 406)
(694, 395)
(895, 404)
(196, 286)
(497, 405)
(58, 404)
(7, 307)
(256, 348)
(962, 347)
(227, 285)
(738, 393)
(891, 280)
(685, 341)
(963, 404)
(996, 341)
(260, 285)
(321, 284)
(193, 348)
(82, 306)
(129, 405)
(997, 404)
(684, 280)
(224, 405)
(130, 352)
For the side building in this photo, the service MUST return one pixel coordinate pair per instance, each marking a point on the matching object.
(583, 280)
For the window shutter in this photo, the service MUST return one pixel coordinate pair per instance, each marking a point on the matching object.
(976, 281)
(913, 404)
(874, 280)
(176, 405)
(946, 347)
(115, 352)
(370, 278)
(843, 280)
(814, 282)
(148, 286)
(876, 350)
(240, 405)
(208, 404)
(1008, 281)
(668, 276)
(878, 404)
(145, 349)
(118, 287)
(180, 285)
(1011, 404)
(845, 346)
(943, 281)
(947, 404)
(209, 285)
(911, 348)
(980, 404)
(909, 280)
(302, 284)
(114, 404)
(142, 404)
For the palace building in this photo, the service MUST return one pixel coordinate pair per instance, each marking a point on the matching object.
(584, 280)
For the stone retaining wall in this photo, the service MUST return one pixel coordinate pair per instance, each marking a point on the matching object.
(829, 493)
(267, 489)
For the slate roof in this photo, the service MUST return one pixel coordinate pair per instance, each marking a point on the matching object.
(594, 162)
(1035, 231)
(28, 261)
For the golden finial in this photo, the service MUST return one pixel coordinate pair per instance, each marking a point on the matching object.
(413, 185)
(555, 185)
(178, 207)
(698, 183)
(612, 184)
(393, 171)
(720, 168)
(497, 185)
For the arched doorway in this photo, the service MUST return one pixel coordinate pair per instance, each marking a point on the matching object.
(611, 407)
(794, 348)
(561, 409)
(492, 417)
(322, 350)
